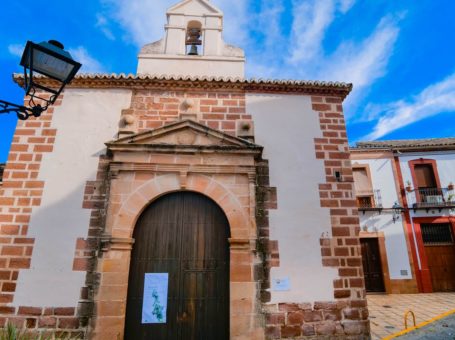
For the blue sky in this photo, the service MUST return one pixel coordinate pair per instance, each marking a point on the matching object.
(398, 54)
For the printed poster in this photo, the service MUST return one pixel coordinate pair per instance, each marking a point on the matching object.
(154, 306)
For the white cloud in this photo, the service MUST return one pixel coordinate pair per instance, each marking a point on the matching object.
(236, 20)
(363, 63)
(103, 24)
(436, 98)
(143, 20)
(345, 5)
(311, 20)
(89, 64)
(16, 50)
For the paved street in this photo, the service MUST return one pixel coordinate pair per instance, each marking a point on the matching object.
(443, 329)
(387, 311)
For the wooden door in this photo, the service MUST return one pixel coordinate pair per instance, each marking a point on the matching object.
(440, 253)
(372, 268)
(185, 235)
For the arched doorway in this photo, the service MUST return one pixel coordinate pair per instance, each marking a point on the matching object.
(185, 235)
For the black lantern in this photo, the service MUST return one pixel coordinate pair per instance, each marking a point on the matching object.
(397, 210)
(48, 59)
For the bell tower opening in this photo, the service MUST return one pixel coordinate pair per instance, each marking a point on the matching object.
(194, 39)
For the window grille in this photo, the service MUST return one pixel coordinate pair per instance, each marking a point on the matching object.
(437, 234)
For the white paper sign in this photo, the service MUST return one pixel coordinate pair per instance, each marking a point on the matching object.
(281, 284)
(154, 306)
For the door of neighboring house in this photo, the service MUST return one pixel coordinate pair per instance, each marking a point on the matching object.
(440, 252)
(186, 235)
(372, 268)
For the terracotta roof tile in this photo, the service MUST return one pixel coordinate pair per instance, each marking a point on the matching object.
(268, 85)
(408, 144)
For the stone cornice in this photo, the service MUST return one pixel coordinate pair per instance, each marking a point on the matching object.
(198, 83)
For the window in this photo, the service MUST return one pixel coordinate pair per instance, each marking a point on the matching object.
(425, 176)
(427, 186)
(437, 234)
(365, 202)
(363, 187)
(2, 167)
(362, 181)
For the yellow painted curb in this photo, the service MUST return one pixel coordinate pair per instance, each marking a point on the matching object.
(420, 325)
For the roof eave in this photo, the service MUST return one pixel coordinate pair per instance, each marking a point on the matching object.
(150, 81)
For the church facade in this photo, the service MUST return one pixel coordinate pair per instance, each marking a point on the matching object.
(184, 202)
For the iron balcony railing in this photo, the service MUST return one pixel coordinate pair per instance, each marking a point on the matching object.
(369, 200)
(432, 198)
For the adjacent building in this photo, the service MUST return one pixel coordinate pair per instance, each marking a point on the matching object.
(185, 202)
(406, 200)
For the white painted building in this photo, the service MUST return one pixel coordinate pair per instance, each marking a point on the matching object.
(419, 176)
(229, 186)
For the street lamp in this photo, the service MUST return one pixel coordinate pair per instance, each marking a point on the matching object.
(48, 59)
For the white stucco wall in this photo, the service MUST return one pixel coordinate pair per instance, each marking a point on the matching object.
(85, 120)
(383, 179)
(192, 66)
(286, 126)
(445, 162)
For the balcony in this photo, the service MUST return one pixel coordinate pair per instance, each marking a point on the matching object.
(430, 198)
(369, 200)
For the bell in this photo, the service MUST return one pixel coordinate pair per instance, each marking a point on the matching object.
(193, 50)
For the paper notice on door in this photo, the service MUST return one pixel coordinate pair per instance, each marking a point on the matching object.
(154, 306)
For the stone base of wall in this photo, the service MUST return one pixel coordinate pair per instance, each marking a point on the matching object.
(48, 321)
(334, 320)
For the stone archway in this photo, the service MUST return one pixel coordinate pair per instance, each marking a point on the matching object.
(110, 303)
(147, 166)
(121, 224)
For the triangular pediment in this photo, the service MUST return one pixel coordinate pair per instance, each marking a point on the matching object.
(185, 133)
(194, 7)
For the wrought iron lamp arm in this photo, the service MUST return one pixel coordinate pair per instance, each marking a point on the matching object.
(22, 112)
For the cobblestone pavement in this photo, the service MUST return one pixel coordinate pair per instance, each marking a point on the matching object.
(387, 311)
(443, 329)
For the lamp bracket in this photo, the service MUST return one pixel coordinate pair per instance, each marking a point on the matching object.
(22, 112)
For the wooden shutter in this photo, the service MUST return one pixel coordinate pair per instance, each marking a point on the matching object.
(425, 176)
(362, 182)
